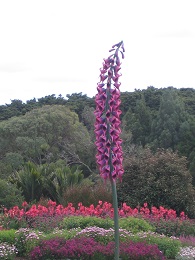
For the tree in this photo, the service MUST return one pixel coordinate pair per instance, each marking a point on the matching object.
(160, 179)
(138, 123)
(47, 134)
(10, 195)
(166, 127)
(77, 102)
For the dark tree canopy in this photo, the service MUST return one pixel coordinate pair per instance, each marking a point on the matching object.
(160, 179)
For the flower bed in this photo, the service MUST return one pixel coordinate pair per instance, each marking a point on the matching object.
(58, 223)
(101, 210)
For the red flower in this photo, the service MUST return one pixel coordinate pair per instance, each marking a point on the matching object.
(24, 204)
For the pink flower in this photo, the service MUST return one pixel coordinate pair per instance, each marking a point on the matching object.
(107, 125)
(24, 204)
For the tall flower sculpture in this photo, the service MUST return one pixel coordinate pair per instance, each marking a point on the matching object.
(107, 127)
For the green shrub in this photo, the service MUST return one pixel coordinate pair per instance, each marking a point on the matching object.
(8, 222)
(169, 246)
(135, 225)
(83, 222)
(45, 223)
(25, 240)
(175, 227)
(10, 195)
(62, 233)
(7, 236)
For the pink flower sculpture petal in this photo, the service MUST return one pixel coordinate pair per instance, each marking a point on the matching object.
(107, 112)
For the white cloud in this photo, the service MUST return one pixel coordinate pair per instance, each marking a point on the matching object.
(57, 47)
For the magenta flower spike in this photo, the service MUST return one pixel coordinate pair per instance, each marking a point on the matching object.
(107, 126)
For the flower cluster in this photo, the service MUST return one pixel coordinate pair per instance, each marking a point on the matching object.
(7, 251)
(97, 231)
(186, 253)
(25, 237)
(107, 125)
(87, 248)
(103, 209)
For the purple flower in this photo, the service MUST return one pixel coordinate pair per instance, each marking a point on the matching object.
(107, 126)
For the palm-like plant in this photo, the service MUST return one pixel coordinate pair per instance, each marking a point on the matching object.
(29, 179)
(57, 181)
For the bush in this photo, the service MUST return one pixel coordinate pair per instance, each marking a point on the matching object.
(10, 195)
(169, 246)
(83, 222)
(26, 240)
(160, 179)
(135, 225)
(88, 248)
(88, 192)
(187, 241)
(7, 236)
(175, 227)
(63, 233)
(44, 223)
(104, 235)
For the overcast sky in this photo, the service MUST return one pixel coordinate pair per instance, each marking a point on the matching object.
(57, 46)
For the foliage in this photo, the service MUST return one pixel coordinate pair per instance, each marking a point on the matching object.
(135, 225)
(88, 248)
(89, 192)
(46, 140)
(83, 222)
(77, 102)
(85, 225)
(49, 180)
(174, 227)
(59, 232)
(139, 123)
(166, 126)
(50, 216)
(7, 236)
(10, 195)
(26, 240)
(161, 179)
(187, 240)
(44, 223)
(151, 118)
(29, 180)
(56, 181)
(103, 235)
(169, 246)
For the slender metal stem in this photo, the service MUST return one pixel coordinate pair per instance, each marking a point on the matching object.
(116, 222)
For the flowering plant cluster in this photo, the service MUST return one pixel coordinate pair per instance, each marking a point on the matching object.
(88, 248)
(103, 209)
(7, 251)
(25, 238)
(107, 125)
(186, 253)
(103, 235)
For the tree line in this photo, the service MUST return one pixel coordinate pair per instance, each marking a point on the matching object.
(159, 123)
